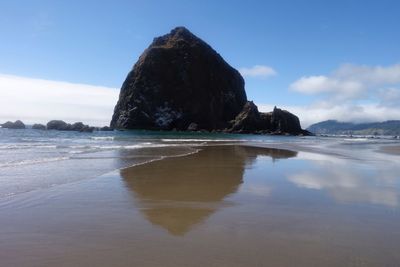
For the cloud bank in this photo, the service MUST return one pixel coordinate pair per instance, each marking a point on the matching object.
(38, 100)
(350, 93)
(313, 113)
(352, 82)
(258, 71)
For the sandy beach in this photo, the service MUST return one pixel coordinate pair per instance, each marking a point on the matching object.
(229, 205)
(394, 150)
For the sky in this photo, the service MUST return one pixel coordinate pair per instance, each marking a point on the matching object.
(318, 59)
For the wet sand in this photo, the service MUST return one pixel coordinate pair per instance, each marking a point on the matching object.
(222, 206)
(393, 150)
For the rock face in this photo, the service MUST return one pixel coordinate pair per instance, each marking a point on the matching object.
(58, 125)
(181, 83)
(282, 121)
(249, 120)
(177, 81)
(13, 125)
(279, 121)
(38, 126)
(63, 126)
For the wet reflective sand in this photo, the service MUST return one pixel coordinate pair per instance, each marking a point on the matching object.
(222, 206)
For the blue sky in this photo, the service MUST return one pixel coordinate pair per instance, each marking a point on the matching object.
(321, 52)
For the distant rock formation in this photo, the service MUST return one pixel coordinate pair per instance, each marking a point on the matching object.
(181, 83)
(13, 125)
(38, 126)
(279, 121)
(63, 126)
(58, 125)
(348, 128)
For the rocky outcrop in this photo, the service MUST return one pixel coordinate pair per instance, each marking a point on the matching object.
(282, 122)
(58, 125)
(63, 126)
(177, 81)
(181, 83)
(249, 120)
(13, 125)
(279, 121)
(38, 126)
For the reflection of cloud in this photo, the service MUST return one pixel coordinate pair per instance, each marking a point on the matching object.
(313, 181)
(349, 185)
(257, 190)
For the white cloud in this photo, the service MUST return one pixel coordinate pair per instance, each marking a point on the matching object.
(323, 84)
(349, 82)
(258, 71)
(352, 93)
(38, 100)
(389, 96)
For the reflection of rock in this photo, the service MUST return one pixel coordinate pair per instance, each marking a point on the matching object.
(254, 151)
(345, 184)
(177, 193)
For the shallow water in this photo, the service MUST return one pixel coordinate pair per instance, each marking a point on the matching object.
(35, 159)
(227, 205)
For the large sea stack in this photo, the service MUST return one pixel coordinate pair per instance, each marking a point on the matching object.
(181, 83)
(179, 80)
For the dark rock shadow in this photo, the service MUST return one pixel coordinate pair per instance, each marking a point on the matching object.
(179, 192)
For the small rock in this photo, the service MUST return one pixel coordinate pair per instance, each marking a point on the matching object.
(78, 126)
(87, 129)
(13, 125)
(193, 127)
(58, 125)
(38, 126)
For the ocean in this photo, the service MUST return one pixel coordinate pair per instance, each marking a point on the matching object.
(35, 159)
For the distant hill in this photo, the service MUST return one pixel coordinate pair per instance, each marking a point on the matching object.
(374, 128)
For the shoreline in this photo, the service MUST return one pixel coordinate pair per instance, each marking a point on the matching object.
(392, 150)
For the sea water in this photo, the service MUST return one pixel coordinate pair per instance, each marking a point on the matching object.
(36, 159)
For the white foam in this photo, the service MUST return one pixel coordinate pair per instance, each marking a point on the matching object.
(204, 140)
(25, 146)
(104, 138)
(356, 139)
(31, 161)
